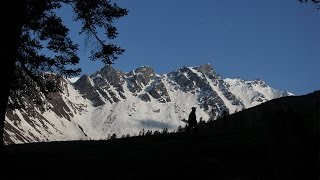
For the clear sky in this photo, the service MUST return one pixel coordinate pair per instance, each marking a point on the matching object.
(275, 41)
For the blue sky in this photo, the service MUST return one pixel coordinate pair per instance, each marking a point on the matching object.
(276, 41)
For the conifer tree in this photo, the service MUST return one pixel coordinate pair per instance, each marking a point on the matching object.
(32, 26)
(315, 2)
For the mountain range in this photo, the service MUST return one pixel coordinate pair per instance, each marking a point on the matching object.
(110, 102)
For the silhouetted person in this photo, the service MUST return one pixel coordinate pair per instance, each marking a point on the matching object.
(192, 121)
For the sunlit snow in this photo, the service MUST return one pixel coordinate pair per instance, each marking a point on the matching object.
(131, 115)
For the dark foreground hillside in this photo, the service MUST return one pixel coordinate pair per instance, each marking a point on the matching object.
(276, 140)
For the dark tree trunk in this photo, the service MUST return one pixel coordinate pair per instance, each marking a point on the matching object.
(12, 15)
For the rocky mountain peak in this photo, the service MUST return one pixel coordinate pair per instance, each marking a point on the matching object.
(146, 70)
(110, 101)
(205, 68)
(141, 75)
(110, 74)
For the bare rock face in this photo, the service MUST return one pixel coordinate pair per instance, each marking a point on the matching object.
(139, 78)
(158, 91)
(88, 91)
(103, 86)
(108, 84)
(195, 80)
(145, 97)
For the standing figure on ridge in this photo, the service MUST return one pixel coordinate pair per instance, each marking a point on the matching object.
(192, 121)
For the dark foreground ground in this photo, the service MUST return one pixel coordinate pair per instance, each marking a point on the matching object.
(214, 155)
(267, 142)
(217, 156)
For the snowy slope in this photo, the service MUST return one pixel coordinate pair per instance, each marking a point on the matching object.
(253, 93)
(61, 122)
(112, 102)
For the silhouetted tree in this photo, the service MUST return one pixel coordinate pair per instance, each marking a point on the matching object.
(113, 136)
(315, 2)
(32, 26)
(180, 129)
(156, 132)
(142, 132)
(148, 133)
(165, 130)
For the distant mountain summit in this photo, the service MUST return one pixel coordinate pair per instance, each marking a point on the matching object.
(113, 102)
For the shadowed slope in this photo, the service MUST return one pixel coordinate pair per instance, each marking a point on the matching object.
(276, 140)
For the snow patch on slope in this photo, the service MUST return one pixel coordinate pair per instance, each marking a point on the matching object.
(253, 93)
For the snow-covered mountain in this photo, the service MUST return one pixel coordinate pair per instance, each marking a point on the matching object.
(113, 102)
